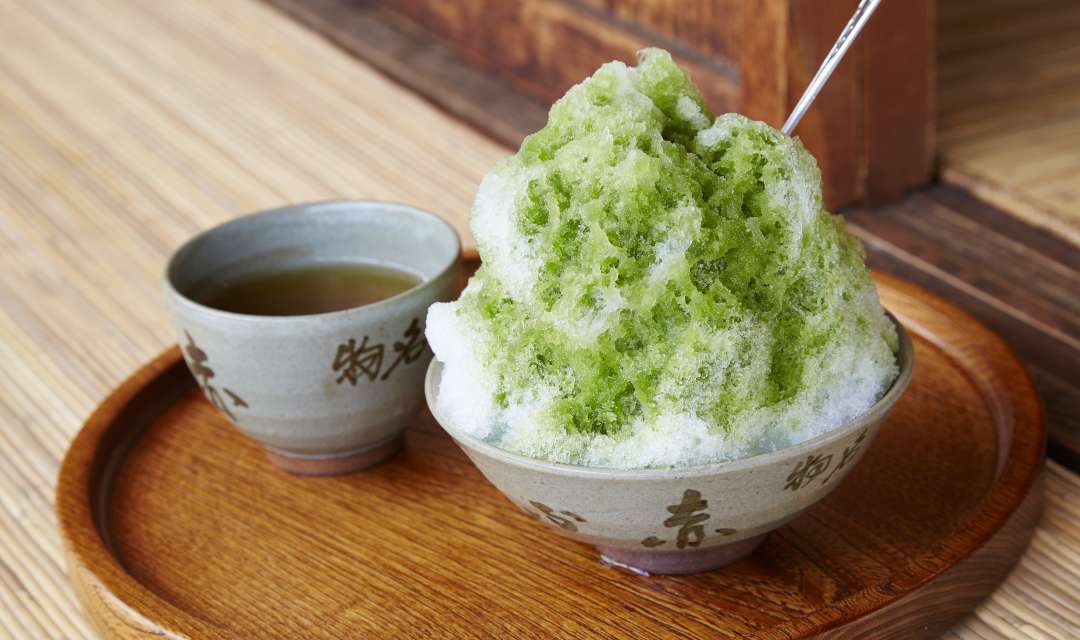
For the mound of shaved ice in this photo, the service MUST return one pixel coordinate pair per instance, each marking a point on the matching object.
(659, 288)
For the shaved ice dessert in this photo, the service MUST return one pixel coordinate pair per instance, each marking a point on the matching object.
(659, 288)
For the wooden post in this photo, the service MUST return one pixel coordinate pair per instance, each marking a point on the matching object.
(871, 129)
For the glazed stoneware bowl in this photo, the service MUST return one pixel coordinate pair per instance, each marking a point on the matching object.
(323, 393)
(672, 521)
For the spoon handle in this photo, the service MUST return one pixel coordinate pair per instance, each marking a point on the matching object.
(843, 43)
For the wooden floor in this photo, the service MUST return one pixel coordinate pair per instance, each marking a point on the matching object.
(1009, 106)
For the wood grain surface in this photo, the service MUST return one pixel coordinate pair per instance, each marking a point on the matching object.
(871, 129)
(175, 524)
(1009, 106)
(126, 127)
(547, 46)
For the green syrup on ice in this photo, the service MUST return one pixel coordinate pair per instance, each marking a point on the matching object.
(697, 249)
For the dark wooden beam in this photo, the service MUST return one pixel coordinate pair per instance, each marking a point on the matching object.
(1021, 281)
(497, 63)
(413, 58)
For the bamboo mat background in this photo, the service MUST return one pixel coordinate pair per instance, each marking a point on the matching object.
(125, 127)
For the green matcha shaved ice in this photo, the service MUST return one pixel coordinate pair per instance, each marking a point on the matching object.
(659, 288)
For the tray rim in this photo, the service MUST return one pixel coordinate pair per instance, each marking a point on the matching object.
(1012, 503)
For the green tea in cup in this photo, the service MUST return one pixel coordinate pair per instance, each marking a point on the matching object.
(305, 289)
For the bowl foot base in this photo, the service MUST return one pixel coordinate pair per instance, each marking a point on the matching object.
(679, 562)
(334, 465)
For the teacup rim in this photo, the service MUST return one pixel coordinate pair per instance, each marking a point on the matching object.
(305, 208)
(905, 356)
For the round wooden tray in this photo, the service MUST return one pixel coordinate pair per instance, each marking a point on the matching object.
(175, 525)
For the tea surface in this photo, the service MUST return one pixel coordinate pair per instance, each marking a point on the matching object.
(306, 289)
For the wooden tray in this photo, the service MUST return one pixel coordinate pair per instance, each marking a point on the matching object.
(175, 525)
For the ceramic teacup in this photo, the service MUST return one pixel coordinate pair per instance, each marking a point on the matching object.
(329, 392)
(682, 520)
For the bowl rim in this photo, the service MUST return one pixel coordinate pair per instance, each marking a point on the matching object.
(359, 207)
(905, 356)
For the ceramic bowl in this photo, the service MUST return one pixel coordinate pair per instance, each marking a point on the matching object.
(672, 521)
(323, 393)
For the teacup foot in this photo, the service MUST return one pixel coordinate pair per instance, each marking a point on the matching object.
(334, 465)
(648, 562)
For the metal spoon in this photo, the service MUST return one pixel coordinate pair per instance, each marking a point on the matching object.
(843, 43)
